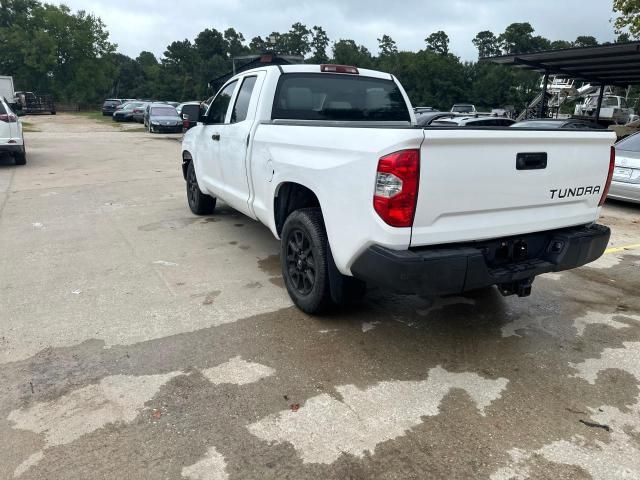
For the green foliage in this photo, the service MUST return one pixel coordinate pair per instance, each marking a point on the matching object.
(438, 42)
(387, 45)
(319, 45)
(628, 16)
(347, 52)
(487, 44)
(49, 49)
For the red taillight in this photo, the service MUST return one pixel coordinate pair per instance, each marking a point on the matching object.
(338, 69)
(8, 118)
(612, 166)
(396, 189)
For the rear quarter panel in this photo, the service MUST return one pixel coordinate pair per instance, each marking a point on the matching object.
(339, 165)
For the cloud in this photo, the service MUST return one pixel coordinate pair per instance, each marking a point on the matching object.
(152, 25)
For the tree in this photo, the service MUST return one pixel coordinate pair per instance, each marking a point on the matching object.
(387, 45)
(210, 42)
(560, 44)
(517, 38)
(257, 45)
(624, 37)
(347, 52)
(487, 44)
(628, 16)
(319, 45)
(438, 42)
(235, 42)
(297, 40)
(49, 49)
(585, 41)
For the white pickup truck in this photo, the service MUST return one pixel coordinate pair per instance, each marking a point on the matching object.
(330, 159)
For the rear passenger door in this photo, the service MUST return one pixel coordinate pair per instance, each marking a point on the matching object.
(235, 139)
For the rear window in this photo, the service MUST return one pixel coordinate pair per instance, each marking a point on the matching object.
(164, 111)
(322, 96)
(629, 144)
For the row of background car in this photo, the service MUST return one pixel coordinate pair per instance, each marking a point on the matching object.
(155, 115)
(448, 119)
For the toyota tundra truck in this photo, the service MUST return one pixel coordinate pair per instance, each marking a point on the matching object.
(330, 159)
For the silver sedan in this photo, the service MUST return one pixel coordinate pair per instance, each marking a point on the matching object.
(626, 175)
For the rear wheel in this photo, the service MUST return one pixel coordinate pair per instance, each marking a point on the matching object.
(199, 203)
(304, 260)
(20, 158)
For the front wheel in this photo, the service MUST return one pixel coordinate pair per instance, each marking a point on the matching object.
(304, 259)
(199, 203)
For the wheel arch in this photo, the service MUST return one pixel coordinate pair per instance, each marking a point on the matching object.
(289, 197)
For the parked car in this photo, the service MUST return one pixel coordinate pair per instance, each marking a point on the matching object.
(191, 110)
(138, 112)
(125, 114)
(425, 119)
(464, 108)
(285, 145)
(11, 136)
(418, 110)
(472, 122)
(552, 123)
(109, 105)
(626, 174)
(163, 118)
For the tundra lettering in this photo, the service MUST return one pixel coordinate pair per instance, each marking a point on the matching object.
(574, 192)
(331, 160)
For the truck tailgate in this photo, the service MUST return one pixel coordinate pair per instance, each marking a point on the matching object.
(473, 187)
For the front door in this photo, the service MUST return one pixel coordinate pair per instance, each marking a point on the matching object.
(208, 142)
(235, 140)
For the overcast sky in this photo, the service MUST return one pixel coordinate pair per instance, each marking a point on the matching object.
(137, 25)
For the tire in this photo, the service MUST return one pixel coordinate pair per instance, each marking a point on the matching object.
(305, 261)
(199, 203)
(20, 158)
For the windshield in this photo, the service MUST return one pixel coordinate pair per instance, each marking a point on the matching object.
(164, 111)
(323, 96)
(629, 144)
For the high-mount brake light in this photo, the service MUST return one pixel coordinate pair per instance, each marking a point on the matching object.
(330, 68)
(396, 189)
(612, 166)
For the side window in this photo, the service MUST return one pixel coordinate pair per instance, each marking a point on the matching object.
(241, 107)
(220, 104)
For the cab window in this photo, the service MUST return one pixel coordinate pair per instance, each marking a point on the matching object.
(220, 105)
(241, 108)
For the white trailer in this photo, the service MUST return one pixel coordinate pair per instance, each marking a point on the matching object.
(6, 88)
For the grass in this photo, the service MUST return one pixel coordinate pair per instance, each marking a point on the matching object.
(98, 116)
(29, 127)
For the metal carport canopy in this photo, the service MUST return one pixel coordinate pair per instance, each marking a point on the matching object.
(617, 64)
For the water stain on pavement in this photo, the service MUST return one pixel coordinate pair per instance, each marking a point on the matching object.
(232, 377)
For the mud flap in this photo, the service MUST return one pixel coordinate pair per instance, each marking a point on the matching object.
(344, 290)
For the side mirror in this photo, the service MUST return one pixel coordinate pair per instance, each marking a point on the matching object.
(202, 117)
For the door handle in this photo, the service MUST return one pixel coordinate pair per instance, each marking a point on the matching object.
(215, 137)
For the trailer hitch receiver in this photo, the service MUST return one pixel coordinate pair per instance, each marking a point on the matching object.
(522, 288)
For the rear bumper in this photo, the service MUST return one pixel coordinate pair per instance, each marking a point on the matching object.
(12, 147)
(454, 269)
(628, 192)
